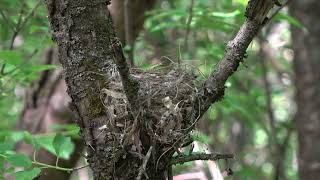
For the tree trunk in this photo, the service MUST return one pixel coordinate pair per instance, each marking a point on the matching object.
(84, 32)
(46, 102)
(306, 45)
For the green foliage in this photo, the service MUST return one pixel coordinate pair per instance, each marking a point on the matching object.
(62, 145)
(58, 144)
(200, 137)
(23, 38)
(10, 57)
(27, 175)
(19, 160)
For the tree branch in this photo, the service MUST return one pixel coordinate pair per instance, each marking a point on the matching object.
(194, 157)
(213, 88)
(6, 20)
(130, 85)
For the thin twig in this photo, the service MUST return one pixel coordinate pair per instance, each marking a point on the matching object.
(43, 165)
(26, 19)
(194, 157)
(5, 18)
(81, 167)
(189, 24)
(188, 129)
(19, 26)
(22, 64)
(170, 148)
(144, 163)
(277, 11)
(57, 161)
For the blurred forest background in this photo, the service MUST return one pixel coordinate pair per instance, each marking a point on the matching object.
(270, 110)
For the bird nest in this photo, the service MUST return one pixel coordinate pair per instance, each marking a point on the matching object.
(165, 105)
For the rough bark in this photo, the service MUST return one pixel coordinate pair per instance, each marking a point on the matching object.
(46, 101)
(84, 33)
(306, 45)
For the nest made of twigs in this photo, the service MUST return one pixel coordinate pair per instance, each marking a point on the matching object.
(165, 104)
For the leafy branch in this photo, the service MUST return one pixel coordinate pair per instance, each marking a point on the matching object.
(18, 159)
(16, 28)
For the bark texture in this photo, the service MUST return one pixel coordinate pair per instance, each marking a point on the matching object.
(46, 101)
(83, 31)
(306, 45)
(161, 119)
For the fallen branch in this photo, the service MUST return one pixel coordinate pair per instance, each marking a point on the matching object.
(194, 157)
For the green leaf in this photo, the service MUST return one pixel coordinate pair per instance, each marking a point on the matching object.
(10, 170)
(68, 129)
(19, 160)
(226, 15)
(6, 146)
(10, 57)
(60, 143)
(46, 143)
(2, 162)
(27, 175)
(40, 68)
(29, 139)
(17, 136)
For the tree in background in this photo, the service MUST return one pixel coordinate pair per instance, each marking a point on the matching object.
(306, 44)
